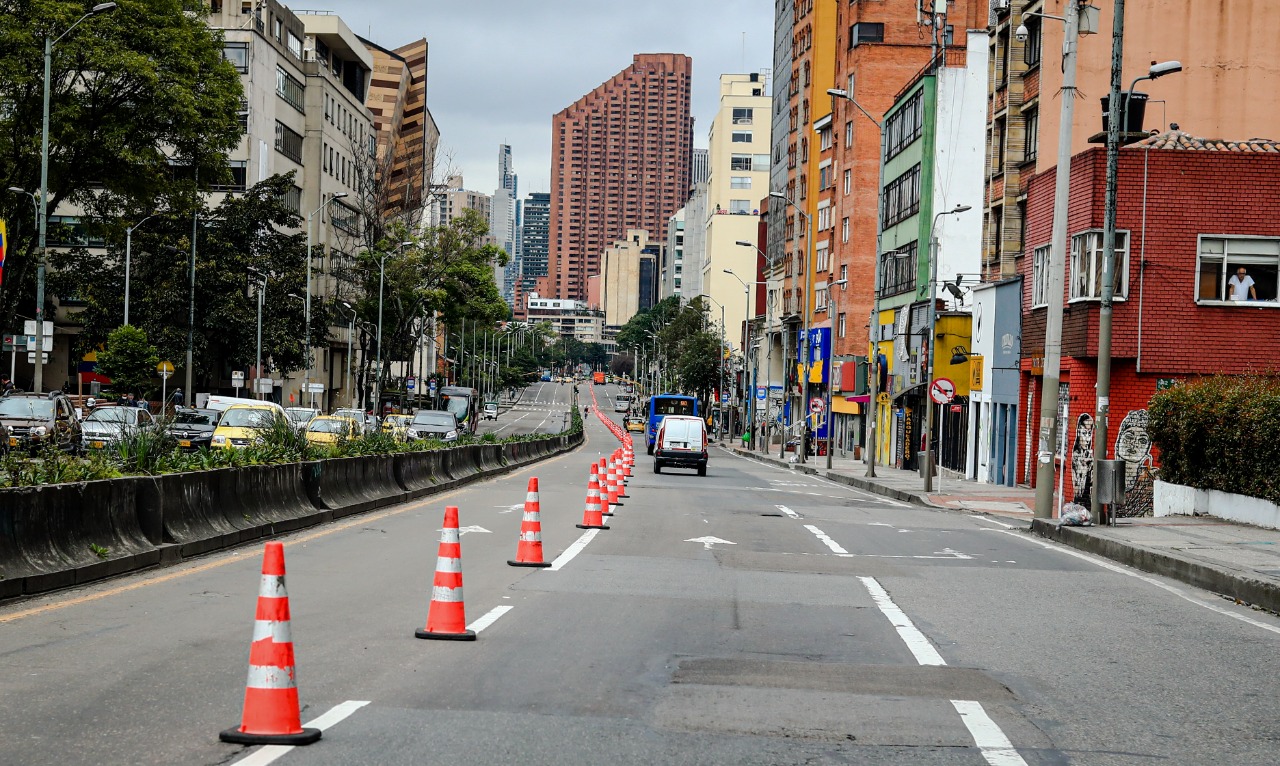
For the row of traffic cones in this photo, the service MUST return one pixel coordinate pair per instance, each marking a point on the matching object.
(271, 713)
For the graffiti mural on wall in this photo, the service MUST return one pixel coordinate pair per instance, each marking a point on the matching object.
(1082, 460)
(1133, 446)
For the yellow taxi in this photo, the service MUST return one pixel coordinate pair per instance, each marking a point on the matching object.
(637, 424)
(327, 430)
(241, 424)
(396, 425)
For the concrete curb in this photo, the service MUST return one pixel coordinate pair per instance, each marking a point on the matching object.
(1238, 584)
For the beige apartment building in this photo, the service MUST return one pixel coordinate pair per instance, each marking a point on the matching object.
(628, 277)
(738, 148)
(1226, 90)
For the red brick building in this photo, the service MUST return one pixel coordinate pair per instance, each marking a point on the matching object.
(619, 160)
(1191, 214)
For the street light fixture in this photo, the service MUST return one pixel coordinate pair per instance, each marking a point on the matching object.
(873, 324)
(306, 343)
(262, 287)
(929, 343)
(43, 222)
(749, 384)
(128, 260)
(351, 331)
(808, 261)
(377, 378)
(831, 381)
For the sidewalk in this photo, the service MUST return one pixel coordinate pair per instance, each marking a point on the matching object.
(1235, 560)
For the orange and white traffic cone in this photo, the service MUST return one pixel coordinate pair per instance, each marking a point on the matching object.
(447, 614)
(608, 496)
(271, 713)
(529, 549)
(620, 486)
(593, 517)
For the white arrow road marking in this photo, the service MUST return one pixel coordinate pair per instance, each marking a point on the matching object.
(788, 511)
(473, 528)
(707, 542)
(509, 508)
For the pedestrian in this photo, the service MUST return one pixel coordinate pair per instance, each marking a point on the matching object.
(127, 401)
(6, 385)
(746, 439)
(178, 398)
(143, 404)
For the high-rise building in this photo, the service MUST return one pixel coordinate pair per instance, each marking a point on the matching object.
(505, 227)
(628, 281)
(619, 160)
(406, 134)
(533, 234)
(699, 167)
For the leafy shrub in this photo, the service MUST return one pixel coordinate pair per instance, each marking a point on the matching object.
(142, 450)
(1220, 433)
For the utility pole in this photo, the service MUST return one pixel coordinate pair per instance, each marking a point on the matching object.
(1048, 434)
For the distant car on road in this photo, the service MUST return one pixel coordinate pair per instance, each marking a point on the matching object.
(440, 425)
(106, 426)
(396, 425)
(193, 428)
(33, 420)
(300, 416)
(327, 430)
(636, 424)
(490, 411)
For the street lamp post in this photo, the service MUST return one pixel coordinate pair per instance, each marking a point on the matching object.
(257, 370)
(831, 381)
(873, 326)
(351, 331)
(929, 344)
(306, 343)
(749, 404)
(720, 393)
(804, 345)
(377, 377)
(128, 260)
(43, 222)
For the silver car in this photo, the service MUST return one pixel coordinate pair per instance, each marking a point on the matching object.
(104, 426)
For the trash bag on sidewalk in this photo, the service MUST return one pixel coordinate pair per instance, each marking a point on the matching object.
(1075, 515)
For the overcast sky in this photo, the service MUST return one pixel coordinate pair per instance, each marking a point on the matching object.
(499, 69)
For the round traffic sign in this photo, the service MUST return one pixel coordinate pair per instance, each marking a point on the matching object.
(942, 391)
(816, 404)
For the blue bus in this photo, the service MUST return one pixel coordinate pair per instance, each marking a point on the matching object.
(661, 405)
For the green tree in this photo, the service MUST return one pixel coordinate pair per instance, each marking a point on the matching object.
(698, 364)
(129, 360)
(142, 107)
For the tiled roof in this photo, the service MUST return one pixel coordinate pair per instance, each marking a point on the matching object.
(1177, 139)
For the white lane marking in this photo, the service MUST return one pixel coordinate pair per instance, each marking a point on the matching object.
(472, 528)
(916, 642)
(788, 511)
(1149, 580)
(844, 487)
(572, 550)
(832, 544)
(993, 521)
(707, 542)
(489, 618)
(269, 753)
(512, 423)
(879, 524)
(995, 746)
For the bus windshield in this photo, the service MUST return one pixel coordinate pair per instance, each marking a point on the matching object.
(458, 405)
(673, 405)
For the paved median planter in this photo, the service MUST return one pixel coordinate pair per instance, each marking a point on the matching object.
(58, 535)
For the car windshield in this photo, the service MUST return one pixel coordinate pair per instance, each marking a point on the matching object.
(113, 415)
(247, 418)
(458, 405)
(300, 416)
(196, 417)
(320, 426)
(434, 419)
(26, 407)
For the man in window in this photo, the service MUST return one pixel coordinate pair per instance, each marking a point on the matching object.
(1241, 286)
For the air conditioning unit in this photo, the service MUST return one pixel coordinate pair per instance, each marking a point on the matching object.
(1000, 6)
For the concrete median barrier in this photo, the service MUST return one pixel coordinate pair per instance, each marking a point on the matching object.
(355, 484)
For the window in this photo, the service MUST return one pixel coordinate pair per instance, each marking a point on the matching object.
(821, 255)
(742, 115)
(898, 270)
(865, 32)
(740, 206)
(289, 142)
(904, 126)
(844, 230)
(901, 198)
(1040, 277)
(997, 145)
(840, 325)
(848, 133)
(740, 162)
(295, 44)
(820, 299)
(290, 90)
(1031, 48)
(276, 27)
(1033, 137)
(238, 55)
(825, 138)
(848, 182)
(741, 137)
(1221, 261)
(826, 177)
(1086, 265)
(824, 218)
(844, 276)
(740, 182)
(292, 199)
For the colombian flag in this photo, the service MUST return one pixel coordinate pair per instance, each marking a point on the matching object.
(4, 243)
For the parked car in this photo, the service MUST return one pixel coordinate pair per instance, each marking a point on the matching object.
(193, 428)
(434, 424)
(300, 416)
(490, 411)
(396, 425)
(34, 420)
(368, 423)
(681, 443)
(327, 430)
(105, 426)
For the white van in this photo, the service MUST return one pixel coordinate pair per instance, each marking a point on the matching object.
(681, 442)
(621, 403)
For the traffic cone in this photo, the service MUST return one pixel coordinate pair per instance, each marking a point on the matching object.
(606, 500)
(529, 549)
(619, 485)
(447, 615)
(593, 517)
(614, 489)
(271, 713)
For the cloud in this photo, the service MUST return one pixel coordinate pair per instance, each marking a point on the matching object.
(499, 69)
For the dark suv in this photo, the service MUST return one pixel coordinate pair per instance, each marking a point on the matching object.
(34, 420)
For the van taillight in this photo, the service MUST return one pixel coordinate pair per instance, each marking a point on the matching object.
(704, 441)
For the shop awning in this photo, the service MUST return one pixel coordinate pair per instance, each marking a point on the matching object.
(847, 405)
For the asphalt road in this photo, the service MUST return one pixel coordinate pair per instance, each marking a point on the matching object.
(542, 408)
(753, 616)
